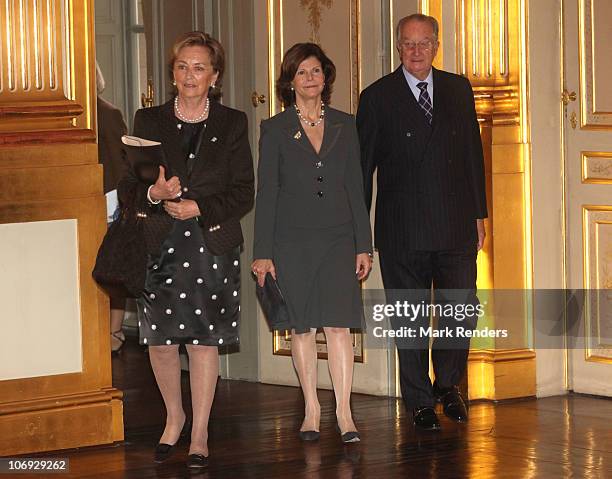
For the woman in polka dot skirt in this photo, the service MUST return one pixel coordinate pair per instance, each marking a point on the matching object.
(192, 288)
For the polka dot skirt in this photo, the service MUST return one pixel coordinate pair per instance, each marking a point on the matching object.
(190, 296)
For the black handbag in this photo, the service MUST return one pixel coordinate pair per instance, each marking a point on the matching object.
(122, 258)
(273, 304)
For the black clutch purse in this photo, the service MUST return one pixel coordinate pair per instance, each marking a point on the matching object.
(273, 304)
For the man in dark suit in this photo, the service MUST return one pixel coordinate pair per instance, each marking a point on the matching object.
(418, 128)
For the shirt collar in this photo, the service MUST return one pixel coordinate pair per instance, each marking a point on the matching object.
(412, 80)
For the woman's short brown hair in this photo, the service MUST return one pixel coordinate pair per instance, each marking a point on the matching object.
(291, 61)
(215, 50)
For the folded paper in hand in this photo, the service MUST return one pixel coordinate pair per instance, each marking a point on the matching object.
(273, 304)
(146, 156)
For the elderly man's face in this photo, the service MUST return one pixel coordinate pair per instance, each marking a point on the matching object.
(417, 47)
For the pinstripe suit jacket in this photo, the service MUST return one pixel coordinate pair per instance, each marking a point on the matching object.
(430, 178)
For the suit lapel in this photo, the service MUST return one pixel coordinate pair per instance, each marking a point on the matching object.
(171, 142)
(440, 104)
(215, 131)
(331, 133)
(294, 131)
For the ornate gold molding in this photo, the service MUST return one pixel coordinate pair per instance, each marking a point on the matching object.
(482, 39)
(314, 7)
(596, 167)
(43, 84)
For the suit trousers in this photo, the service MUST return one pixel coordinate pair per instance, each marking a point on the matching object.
(409, 276)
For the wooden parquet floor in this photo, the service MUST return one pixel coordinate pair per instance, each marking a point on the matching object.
(253, 435)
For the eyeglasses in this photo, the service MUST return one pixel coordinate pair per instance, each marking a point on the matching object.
(423, 45)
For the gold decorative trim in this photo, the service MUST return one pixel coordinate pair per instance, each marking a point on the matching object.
(461, 43)
(424, 7)
(596, 167)
(501, 105)
(590, 118)
(503, 38)
(475, 15)
(501, 374)
(281, 344)
(595, 349)
(499, 355)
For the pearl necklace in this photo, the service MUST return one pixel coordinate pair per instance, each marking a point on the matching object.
(194, 120)
(306, 120)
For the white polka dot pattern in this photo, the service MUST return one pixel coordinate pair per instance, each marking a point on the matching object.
(180, 285)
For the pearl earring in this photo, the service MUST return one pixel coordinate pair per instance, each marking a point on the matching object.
(173, 82)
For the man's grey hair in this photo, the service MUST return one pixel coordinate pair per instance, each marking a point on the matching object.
(100, 83)
(418, 17)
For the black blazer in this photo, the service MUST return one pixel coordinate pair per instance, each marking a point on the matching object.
(430, 180)
(222, 179)
(293, 192)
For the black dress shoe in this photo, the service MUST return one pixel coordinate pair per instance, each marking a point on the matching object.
(309, 435)
(452, 402)
(350, 436)
(163, 452)
(425, 418)
(197, 461)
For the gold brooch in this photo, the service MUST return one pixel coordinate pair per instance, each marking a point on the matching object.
(298, 135)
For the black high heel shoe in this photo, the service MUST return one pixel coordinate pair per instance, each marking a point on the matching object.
(121, 339)
(349, 436)
(164, 451)
(309, 435)
(197, 461)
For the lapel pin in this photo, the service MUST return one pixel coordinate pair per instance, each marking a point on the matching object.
(298, 135)
(213, 139)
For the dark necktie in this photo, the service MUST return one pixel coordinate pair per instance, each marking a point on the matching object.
(425, 101)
